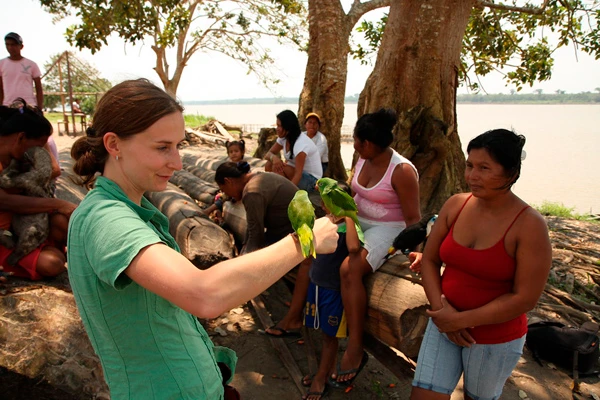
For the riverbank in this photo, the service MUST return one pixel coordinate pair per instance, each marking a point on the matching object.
(260, 373)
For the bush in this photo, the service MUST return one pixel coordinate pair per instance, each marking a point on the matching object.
(195, 120)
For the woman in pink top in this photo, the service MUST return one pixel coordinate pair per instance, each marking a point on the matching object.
(386, 188)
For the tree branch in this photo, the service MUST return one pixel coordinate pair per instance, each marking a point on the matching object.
(359, 9)
(504, 7)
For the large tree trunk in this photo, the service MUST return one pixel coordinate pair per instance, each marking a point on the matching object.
(327, 69)
(416, 74)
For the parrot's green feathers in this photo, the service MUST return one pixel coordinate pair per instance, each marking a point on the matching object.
(302, 217)
(305, 235)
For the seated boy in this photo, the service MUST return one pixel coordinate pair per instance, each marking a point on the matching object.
(324, 309)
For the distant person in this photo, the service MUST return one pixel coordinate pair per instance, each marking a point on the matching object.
(236, 149)
(497, 256)
(312, 124)
(76, 107)
(302, 163)
(18, 75)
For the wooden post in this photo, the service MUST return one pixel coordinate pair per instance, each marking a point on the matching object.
(62, 96)
(70, 87)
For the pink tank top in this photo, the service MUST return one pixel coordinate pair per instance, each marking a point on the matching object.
(379, 203)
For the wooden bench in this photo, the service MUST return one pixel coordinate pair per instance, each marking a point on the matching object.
(82, 120)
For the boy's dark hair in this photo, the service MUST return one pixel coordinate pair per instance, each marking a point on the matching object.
(289, 122)
(240, 143)
(505, 147)
(231, 170)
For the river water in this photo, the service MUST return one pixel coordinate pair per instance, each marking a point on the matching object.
(563, 143)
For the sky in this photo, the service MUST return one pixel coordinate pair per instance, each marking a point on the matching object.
(216, 77)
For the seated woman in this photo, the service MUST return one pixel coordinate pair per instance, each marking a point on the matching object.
(312, 124)
(302, 163)
(386, 191)
(497, 255)
(20, 129)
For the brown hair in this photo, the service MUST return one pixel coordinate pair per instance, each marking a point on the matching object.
(126, 110)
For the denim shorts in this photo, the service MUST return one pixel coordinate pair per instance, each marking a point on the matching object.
(307, 182)
(486, 367)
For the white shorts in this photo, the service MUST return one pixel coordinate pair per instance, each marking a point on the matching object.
(378, 239)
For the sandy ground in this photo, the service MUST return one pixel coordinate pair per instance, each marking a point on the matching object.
(261, 374)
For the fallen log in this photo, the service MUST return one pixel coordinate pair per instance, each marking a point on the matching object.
(222, 130)
(195, 187)
(208, 136)
(202, 241)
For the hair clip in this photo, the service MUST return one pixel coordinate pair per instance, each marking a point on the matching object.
(523, 155)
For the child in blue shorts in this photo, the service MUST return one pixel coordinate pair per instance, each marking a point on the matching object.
(324, 309)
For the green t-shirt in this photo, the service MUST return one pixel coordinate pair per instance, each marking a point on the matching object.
(149, 348)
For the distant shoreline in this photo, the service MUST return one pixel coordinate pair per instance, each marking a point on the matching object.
(526, 99)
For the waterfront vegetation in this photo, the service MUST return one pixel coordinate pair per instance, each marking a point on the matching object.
(537, 97)
(560, 210)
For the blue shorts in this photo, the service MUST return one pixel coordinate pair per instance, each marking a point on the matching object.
(307, 182)
(486, 367)
(324, 310)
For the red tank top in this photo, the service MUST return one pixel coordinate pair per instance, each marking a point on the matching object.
(473, 278)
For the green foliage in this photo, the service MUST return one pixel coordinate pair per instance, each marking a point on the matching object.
(560, 210)
(515, 38)
(195, 120)
(560, 97)
(84, 79)
(230, 27)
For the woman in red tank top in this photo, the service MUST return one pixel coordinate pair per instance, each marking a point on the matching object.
(497, 256)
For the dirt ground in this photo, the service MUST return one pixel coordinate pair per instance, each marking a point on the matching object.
(261, 374)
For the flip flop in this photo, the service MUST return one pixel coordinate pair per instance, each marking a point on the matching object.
(344, 385)
(307, 380)
(283, 333)
(320, 394)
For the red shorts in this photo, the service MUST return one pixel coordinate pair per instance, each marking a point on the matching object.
(26, 267)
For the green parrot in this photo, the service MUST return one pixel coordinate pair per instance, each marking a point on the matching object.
(302, 216)
(339, 203)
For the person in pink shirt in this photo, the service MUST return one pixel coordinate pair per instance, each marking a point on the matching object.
(386, 191)
(18, 75)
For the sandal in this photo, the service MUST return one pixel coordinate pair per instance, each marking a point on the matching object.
(346, 384)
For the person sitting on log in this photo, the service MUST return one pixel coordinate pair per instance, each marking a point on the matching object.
(138, 296)
(312, 124)
(236, 150)
(302, 159)
(266, 197)
(386, 192)
(497, 257)
(20, 129)
(324, 308)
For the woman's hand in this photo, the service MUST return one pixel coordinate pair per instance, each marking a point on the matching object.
(446, 318)
(415, 261)
(277, 164)
(66, 208)
(461, 338)
(325, 236)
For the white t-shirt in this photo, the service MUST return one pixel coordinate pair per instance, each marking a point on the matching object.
(312, 165)
(17, 80)
(321, 142)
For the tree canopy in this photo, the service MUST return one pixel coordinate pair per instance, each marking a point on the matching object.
(184, 27)
(516, 38)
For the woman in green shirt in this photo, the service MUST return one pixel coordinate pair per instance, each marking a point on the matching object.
(137, 295)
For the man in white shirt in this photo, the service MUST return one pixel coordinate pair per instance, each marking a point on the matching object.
(312, 124)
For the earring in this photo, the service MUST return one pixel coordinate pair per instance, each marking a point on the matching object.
(117, 158)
